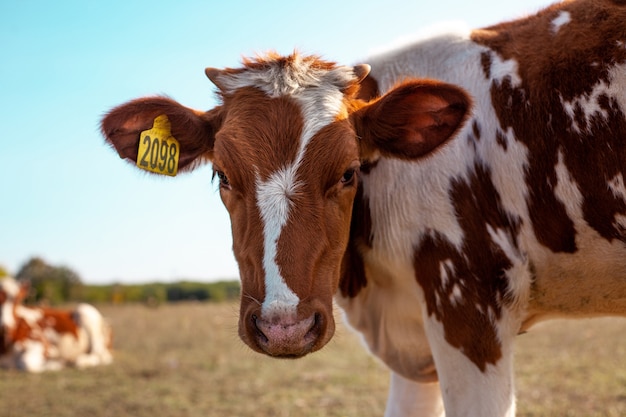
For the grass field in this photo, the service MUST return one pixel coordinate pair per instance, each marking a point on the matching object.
(186, 360)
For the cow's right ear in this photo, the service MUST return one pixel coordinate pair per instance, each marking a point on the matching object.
(194, 130)
(413, 119)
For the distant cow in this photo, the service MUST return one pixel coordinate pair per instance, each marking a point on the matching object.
(37, 339)
(446, 217)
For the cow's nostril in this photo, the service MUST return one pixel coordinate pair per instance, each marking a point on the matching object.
(258, 331)
(315, 329)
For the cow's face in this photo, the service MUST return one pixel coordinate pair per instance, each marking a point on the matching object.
(289, 188)
(12, 293)
(286, 146)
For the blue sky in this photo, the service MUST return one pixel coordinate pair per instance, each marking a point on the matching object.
(66, 197)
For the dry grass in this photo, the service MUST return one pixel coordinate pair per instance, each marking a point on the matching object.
(186, 360)
(574, 368)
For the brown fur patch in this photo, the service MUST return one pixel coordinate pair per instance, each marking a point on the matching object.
(476, 288)
(369, 89)
(62, 321)
(556, 67)
(353, 277)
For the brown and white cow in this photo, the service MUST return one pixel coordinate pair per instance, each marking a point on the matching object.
(40, 339)
(446, 218)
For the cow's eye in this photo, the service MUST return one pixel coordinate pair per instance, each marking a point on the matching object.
(224, 183)
(348, 177)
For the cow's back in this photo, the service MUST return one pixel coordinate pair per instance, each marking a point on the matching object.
(568, 110)
(522, 216)
(537, 173)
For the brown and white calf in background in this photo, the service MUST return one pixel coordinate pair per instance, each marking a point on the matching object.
(446, 218)
(37, 339)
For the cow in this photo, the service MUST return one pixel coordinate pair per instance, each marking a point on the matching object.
(37, 339)
(449, 194)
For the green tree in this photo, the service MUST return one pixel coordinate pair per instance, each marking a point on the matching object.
(3, 272)
(53, 284)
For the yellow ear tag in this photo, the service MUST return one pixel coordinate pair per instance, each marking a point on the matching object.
(159, 151)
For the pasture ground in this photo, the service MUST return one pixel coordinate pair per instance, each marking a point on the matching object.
(186, 360)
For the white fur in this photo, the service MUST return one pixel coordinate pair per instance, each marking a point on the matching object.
(562, 19)
(277, 80)
(410, 398)
(456, 296)
(30, 315)
(444, 267)
(29, 356)
(617, 77)
(98, 334)
(273, 202)
(567, 190)
(7, 319)
(387, 317)
(466, 390)
(11, 288)
(617, 186)
(394, 200)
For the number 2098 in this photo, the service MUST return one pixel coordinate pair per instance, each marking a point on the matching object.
(159, 155)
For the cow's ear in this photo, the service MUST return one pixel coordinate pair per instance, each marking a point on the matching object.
(24, 290)
(412, 119)
(194, 130)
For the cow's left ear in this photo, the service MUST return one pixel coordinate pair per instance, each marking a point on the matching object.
(412, 119)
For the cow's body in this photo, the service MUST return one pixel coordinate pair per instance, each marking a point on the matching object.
(521, 218)
(39, 339)
(448, 250)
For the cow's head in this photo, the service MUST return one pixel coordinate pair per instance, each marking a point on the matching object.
(286, 145)
(12, 294)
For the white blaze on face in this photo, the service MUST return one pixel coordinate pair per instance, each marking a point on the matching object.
(318, 93)
(274, 204)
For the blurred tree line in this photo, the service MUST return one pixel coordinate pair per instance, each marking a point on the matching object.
(60, 284)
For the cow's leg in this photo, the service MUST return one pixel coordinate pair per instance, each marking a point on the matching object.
(468, 390)
(408, 398)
